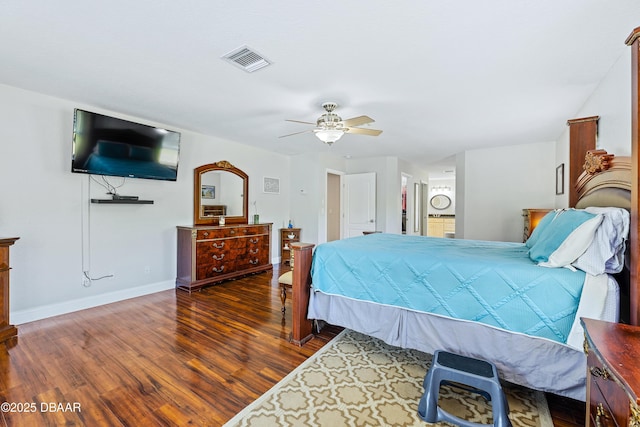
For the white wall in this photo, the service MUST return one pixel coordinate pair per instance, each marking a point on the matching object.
(308, 193)
(498, 184)
(46, 205)
(611, 101)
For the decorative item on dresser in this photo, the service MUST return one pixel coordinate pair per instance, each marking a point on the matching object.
(211, 254)
(531, 219)
(224, 246)
(7, 330)
(288, 236)
(613, 384)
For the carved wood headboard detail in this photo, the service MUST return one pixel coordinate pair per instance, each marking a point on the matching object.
(605, 181)
(596, 161)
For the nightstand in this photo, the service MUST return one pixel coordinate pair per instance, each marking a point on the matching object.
(531, 219)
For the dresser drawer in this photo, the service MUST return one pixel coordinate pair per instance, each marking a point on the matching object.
(224, 232)
(211, 270)
(609, 405)
(214, 250)
(257, 251)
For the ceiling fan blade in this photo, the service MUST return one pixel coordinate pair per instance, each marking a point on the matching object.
(300, 121)
(296, 133)
(364, 131)
(357, 121)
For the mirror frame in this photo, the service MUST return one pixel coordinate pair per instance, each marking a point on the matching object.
(225, 166)
(446, 198)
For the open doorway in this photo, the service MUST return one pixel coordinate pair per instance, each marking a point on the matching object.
(403, 192)
(333, 206)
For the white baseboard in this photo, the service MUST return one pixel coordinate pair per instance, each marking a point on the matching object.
(24, 316)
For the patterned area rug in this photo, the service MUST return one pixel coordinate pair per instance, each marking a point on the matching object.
(356, 380)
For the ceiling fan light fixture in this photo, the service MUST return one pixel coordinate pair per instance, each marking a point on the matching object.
(329, 136)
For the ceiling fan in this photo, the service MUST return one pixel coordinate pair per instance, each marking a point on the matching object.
(330, 127)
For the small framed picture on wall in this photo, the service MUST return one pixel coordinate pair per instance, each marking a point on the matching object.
(560, 179)
(271, 185)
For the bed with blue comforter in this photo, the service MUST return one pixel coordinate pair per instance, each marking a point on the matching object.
(495, 283)
(515, 304)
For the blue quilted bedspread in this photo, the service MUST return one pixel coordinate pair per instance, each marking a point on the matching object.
(489, 282)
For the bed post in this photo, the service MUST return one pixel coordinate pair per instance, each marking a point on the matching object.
(582, 138)
(301, 327)
(634, 41)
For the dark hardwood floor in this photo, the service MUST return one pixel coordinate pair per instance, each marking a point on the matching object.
(170, 358)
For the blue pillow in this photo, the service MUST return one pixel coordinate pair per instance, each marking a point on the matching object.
(542, 224)
(566, 238)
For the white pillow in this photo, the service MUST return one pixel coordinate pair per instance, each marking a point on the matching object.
(606, 252)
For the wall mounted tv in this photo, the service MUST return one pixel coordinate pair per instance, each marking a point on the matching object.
(104, 145)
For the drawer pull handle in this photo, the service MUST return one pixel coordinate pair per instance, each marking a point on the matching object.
(599, 372)
(254, 241)
(232, 231)
(254, 251)
(215, 270)
(600, 412)
(205, 233)
(254, 261)
(220, 246)
(217, 258)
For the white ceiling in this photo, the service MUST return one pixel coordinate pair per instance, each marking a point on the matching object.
(438, 77)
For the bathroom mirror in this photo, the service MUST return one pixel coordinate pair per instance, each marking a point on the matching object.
(440, 201)
(220, 189)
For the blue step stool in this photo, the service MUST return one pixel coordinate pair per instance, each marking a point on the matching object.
(480, 376)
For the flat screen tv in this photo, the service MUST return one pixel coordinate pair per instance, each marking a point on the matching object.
(104, 145)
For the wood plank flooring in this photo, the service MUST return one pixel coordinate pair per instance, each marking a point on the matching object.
(170, 358)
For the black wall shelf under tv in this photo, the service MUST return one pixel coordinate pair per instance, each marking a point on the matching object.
(123, 201)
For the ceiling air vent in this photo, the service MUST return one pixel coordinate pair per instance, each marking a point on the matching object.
(247, 59)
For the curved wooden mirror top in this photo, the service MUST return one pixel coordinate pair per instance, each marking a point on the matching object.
(220, 189)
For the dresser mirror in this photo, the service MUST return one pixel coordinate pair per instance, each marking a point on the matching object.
(220, 189)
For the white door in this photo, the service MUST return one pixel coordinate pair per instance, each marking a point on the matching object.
(360, 203)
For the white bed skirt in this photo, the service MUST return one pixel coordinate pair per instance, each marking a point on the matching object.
(534, 362)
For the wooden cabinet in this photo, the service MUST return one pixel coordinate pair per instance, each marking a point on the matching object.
(613, 373)
(438, 226)
(211, 254)
(531, 219)
(7, 330)
(287, 236)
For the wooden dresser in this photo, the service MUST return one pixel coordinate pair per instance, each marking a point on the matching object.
(7, 330)
(208, 254)
(613, 373)
(531, 219)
